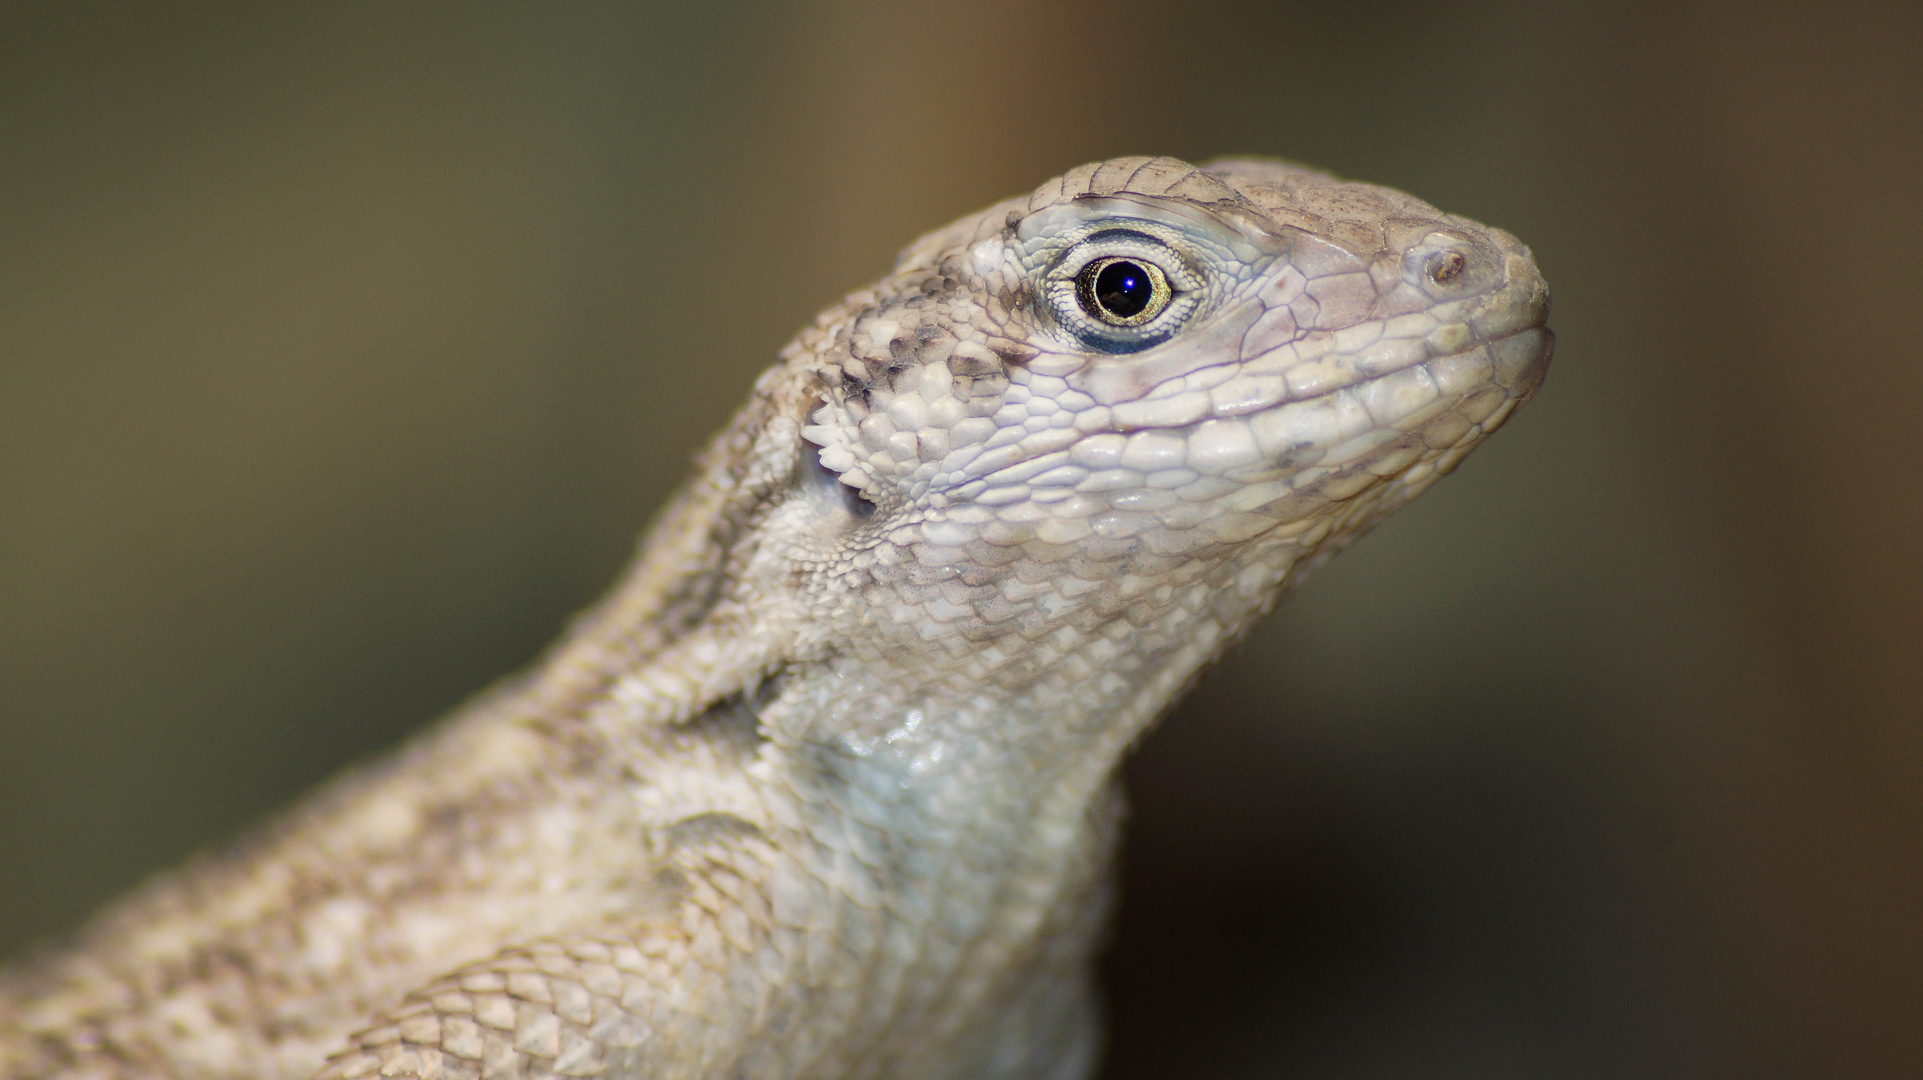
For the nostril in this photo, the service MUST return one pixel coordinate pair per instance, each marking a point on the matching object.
(1444, 266)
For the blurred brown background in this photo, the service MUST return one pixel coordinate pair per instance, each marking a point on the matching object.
(344, 349)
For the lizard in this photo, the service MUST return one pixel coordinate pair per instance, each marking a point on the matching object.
(826, 785)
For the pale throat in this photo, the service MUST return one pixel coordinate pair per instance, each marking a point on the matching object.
(941, 743)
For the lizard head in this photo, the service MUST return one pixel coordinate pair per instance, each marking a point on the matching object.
(1149, 387)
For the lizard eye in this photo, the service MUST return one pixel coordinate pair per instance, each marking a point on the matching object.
(1120, 290)
(1123, 291)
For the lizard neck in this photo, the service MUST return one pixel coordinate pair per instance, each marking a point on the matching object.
(965, 788)
(1016, 724)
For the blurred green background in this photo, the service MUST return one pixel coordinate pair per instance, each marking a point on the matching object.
(344, 349)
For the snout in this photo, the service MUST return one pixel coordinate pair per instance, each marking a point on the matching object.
(1514, 321)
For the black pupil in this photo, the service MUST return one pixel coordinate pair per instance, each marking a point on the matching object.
(1123, 289)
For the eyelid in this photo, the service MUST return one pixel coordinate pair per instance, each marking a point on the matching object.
(1118, 241)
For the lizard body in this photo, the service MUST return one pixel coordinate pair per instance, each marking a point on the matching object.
(825, 787)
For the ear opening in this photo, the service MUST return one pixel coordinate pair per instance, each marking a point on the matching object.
(816, 474)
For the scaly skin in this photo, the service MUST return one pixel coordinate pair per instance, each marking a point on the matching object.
(826, 787)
